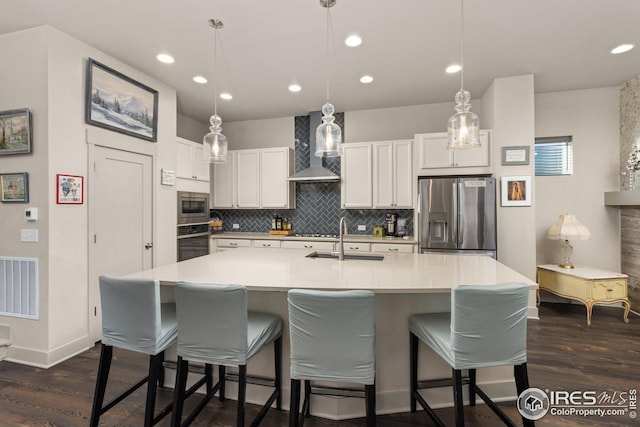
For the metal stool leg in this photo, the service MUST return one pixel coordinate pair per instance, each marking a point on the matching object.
(413, 370)
(242, 393)
(179, 392)
(457, 397)
(294, 406)
(370, 404)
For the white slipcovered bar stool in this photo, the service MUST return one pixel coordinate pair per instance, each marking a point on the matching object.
(487, 327)
(134, 319)
(215, 327)
(332, 339)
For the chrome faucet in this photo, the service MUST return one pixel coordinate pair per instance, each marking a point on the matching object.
(342, 232)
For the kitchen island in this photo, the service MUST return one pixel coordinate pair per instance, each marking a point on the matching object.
(405, 284)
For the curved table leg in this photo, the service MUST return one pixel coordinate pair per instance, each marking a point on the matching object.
(627, 308)
(589, 310)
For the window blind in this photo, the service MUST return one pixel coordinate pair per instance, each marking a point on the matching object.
(554, 156)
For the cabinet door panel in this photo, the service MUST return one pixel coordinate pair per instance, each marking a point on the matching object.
(223, 185)
(433, 151)
(200, 167)
(383, 179)
(356, 186)
(474, 157)
(403, 174)
(247, 178)
(274, 171)
(184, 160)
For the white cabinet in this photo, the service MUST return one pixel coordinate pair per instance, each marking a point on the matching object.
(223, 187)
(247, 177)
(266, 243)
(276, 165)
(226, 244)
(392, 248)
(392, 174)
(254, 179)
(303, 244)
(432, 156)
(190, 161)
(356, 165)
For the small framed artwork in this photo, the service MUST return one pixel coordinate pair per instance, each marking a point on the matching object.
(15, 187)
(119, 103)
(516, 155)
(15, 131)
(516, 191)
(69, 189)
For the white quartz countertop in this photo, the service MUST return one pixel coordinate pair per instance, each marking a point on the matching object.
(354, 238)
(584, 272)
(283, 269)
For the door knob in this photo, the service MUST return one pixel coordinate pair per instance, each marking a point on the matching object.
(148, 245)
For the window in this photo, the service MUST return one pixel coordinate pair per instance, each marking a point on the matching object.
(554, 156)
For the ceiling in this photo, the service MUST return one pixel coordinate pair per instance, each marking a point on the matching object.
(407, 44)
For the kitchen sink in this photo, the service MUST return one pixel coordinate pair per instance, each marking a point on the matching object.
(346, 256)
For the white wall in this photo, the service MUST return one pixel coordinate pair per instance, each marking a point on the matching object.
(508, 109)
(592, 118)
(51, 82)
(25, 86)
(278, 132)
(191, 129)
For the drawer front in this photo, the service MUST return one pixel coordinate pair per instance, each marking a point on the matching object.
(357, 247)
(266, 243)
(234, 243)
(603, 290)
(391, 248)
(563, 284)
(323, 246)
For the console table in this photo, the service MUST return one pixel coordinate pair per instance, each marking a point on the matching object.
(587, 285)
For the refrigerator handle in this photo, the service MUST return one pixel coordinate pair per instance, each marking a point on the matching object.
(455, 213)
(419, 208)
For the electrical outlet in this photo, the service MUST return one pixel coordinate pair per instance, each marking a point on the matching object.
(362, 228)
(236, 226)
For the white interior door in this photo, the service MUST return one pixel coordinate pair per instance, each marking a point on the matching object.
(120, 223)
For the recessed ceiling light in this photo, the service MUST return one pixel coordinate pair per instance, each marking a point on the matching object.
(451, 69)
(200, 79)
(167, 59)
(226, 95)
(622, 48)
(353, 40)
(366, 79)
(294, 88)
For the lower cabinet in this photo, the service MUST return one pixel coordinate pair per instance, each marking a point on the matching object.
(266, 243)
(392, 248)
(298, 244)
(226, 244)
(357, 247)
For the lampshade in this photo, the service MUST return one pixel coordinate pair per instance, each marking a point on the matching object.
(463, 128)
(328, 134)
(214, 143)
(567, 227)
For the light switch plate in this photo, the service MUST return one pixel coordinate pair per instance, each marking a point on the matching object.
(236, 225)
(362, 228)
(29, 235)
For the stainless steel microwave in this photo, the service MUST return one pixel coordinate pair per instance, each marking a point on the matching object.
(193, 208)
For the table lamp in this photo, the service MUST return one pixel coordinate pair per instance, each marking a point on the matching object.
(566, 228)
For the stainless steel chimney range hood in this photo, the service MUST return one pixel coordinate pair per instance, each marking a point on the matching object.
(315, 172)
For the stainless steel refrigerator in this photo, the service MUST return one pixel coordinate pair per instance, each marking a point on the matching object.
(457, 215)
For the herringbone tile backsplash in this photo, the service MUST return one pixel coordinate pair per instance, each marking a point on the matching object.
(317, 204)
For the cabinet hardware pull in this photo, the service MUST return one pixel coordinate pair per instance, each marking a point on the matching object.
(267, 245)
(308, 246)
(393, 249)
(233, 244)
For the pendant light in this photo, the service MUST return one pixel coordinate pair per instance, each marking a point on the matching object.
(215, 143)
(328, 134)
(464, 126)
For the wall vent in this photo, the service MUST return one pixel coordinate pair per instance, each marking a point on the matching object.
(19, 287)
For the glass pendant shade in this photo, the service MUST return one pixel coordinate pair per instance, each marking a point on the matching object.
(328, 134)
(215, 143)
(464, 126)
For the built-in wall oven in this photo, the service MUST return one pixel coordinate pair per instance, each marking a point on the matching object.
(193, 225)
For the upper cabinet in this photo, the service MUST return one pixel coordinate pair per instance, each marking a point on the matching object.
(392, 174)
(433, 158)
(357, 180)
(190, 161)
(377, 175)
(253, 179)
(276, 165)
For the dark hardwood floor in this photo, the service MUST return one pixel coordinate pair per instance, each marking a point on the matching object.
(563, 353)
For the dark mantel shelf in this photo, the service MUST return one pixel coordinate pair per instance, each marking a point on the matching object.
(622, 198)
